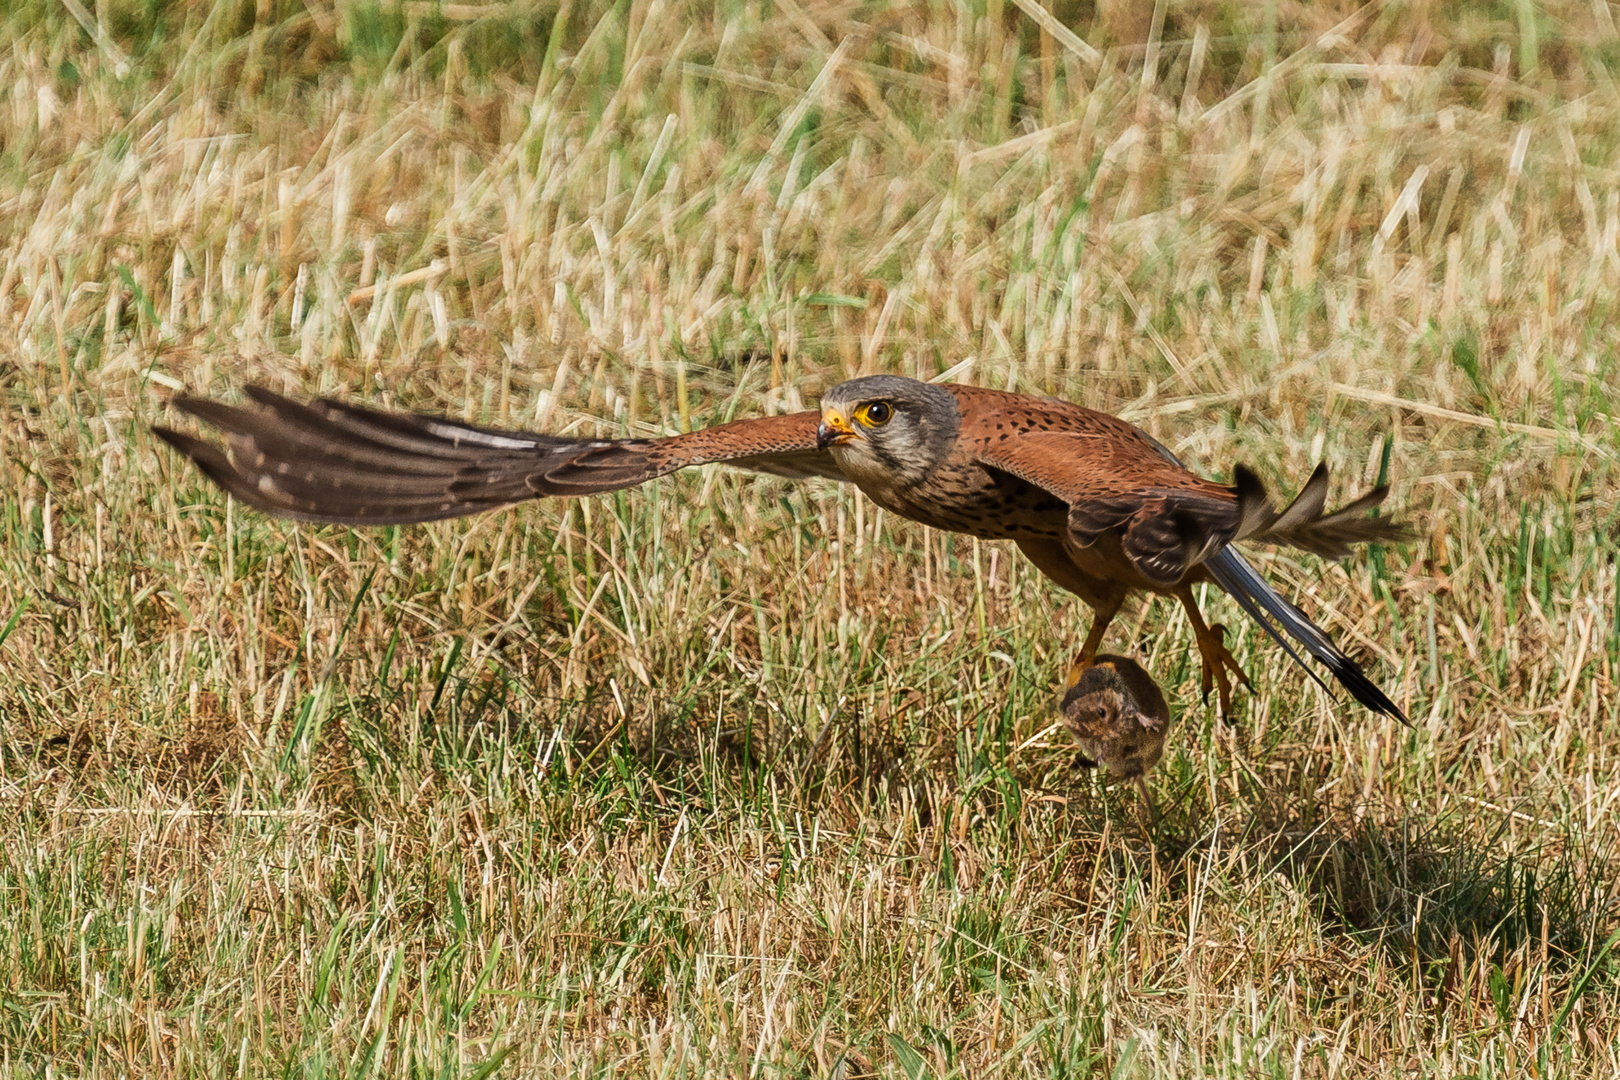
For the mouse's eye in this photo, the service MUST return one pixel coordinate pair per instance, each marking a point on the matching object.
(876, 414)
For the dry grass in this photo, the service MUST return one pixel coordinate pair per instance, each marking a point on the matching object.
(730, 776)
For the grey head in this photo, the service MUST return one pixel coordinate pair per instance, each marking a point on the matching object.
(886, 430)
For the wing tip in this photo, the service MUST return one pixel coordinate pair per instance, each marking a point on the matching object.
(176, 439)
(1255, 514)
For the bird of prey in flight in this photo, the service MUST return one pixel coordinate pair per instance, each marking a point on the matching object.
(1097, 504)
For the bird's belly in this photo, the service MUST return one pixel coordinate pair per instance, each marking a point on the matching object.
(986, 509)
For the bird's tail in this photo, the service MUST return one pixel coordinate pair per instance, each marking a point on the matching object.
(1256, 597)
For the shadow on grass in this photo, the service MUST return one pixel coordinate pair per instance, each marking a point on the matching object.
(1450, 896)
(1435, 890)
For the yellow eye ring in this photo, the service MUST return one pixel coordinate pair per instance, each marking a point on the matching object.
(875, 414)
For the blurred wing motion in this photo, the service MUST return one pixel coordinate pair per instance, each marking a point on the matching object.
(334, 462)
(1305, 525)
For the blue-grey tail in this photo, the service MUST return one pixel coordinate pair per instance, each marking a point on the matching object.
(1256, 597)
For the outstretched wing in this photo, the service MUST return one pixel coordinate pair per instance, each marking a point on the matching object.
(334, 462)
(1171, 519)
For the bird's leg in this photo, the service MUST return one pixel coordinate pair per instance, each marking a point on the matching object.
(1105, 598)
(1217, 658)
(1104, 613)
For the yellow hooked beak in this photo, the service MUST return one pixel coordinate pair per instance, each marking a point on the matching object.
(834, 430)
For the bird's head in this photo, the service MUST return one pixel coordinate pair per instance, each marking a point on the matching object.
(888, 430)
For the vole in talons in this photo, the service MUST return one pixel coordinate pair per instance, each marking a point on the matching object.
(1119, 717)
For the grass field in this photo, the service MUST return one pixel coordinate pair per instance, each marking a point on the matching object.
(729, 776)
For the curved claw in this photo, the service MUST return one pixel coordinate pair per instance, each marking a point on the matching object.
(1218, 661)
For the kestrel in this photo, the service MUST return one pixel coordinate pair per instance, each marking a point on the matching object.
(1118, 716)
(1098, 506)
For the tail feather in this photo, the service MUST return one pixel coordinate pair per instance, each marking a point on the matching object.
(1262, 603)
(1259, 600)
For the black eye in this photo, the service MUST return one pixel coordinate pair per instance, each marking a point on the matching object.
(877, 414)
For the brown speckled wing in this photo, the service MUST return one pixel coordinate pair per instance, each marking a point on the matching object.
(333, 462)
(1168, 518)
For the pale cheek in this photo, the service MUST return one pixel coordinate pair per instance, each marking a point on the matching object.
(859, 464)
